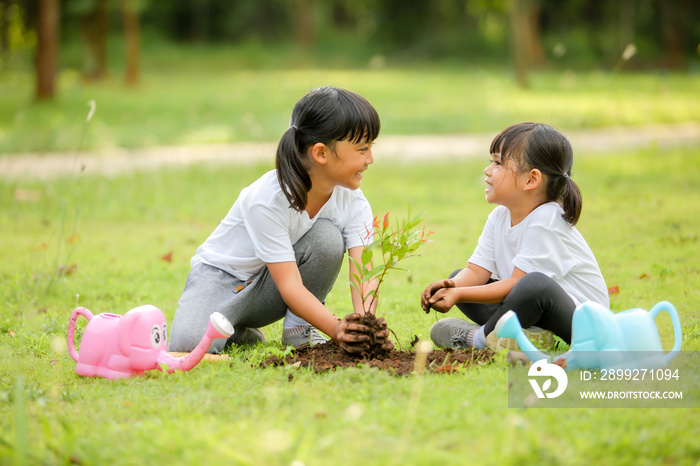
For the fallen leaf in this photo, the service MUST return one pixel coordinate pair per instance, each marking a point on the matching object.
(561, 362)
(614, 290)
(73, 238)
(53, 361)
(11, 333)
(643, 276)
(447, 368)
(26, 195)
(168, 257)
(65, 270)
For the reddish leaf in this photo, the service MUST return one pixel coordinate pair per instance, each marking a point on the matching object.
(642, 276)
(65, 270)
(614, 290)
(561, 362)
(168, 257)
(447, 369)
(26, 195)
(11, 333)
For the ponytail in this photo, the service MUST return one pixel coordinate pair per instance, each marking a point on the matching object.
(571, 200)
(292, 173)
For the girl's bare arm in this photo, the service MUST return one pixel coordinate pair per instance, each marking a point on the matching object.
(489, 293)
(350, 334)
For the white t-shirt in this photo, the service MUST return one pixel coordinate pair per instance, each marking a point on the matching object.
(262, 228)
(543, 242)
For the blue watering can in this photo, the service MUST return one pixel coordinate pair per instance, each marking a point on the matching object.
(601, 339)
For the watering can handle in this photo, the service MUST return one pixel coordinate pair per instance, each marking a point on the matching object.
(80, 311)
(677, 333)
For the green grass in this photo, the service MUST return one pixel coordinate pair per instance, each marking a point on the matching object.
(641, 217)
(206, 95)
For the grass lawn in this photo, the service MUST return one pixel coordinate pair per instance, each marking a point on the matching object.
(182, 100)
(641, 217)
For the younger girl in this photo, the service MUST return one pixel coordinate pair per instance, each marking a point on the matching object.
(530, 258)
(278, 251)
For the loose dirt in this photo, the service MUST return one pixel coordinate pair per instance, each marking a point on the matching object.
(329, 357)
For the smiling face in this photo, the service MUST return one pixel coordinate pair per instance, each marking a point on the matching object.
(347, 163)
(503, 182)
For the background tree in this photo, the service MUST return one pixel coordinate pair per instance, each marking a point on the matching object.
(132, 39)
(93, 17)
(578, 34)
(526, 43)
(47, 48)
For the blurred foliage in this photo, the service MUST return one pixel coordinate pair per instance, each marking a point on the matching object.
(575, 33)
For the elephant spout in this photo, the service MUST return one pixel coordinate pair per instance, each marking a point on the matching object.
(219, 327)
(508, 326)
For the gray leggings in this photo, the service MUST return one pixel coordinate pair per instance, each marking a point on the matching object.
(319, 255)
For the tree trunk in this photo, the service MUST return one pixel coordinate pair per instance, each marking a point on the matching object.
(304, 24)
(674, 16)
(627, 24)
(4, 27)
(47, 48)
(93, 27)
(518, 21)
(132, 39)
(200, 20)
(536, 50)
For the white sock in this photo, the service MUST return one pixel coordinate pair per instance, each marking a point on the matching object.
(479, 338)
(291, 321)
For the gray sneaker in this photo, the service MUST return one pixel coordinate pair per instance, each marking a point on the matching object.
(453, 333)
(301, 334)
(245, 336)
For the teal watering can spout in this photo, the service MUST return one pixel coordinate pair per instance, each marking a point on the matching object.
(508, 326)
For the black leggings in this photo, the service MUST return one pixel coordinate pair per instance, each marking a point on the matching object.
(536, 299)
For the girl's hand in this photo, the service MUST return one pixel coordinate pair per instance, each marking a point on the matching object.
(383, 335)
(353, 337)
(426, 298)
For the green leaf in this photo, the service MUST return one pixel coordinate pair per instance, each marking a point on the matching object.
(366, 256)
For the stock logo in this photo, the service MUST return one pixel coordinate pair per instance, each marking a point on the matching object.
(543, 369)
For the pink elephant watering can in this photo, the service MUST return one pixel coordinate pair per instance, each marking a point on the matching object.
(115, 346)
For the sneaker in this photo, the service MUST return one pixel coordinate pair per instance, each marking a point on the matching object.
(452, 333)
(538, 336)
(301, 334)
(246, 336)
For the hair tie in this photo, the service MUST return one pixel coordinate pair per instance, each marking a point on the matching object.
(566, 176)
(296, 128)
